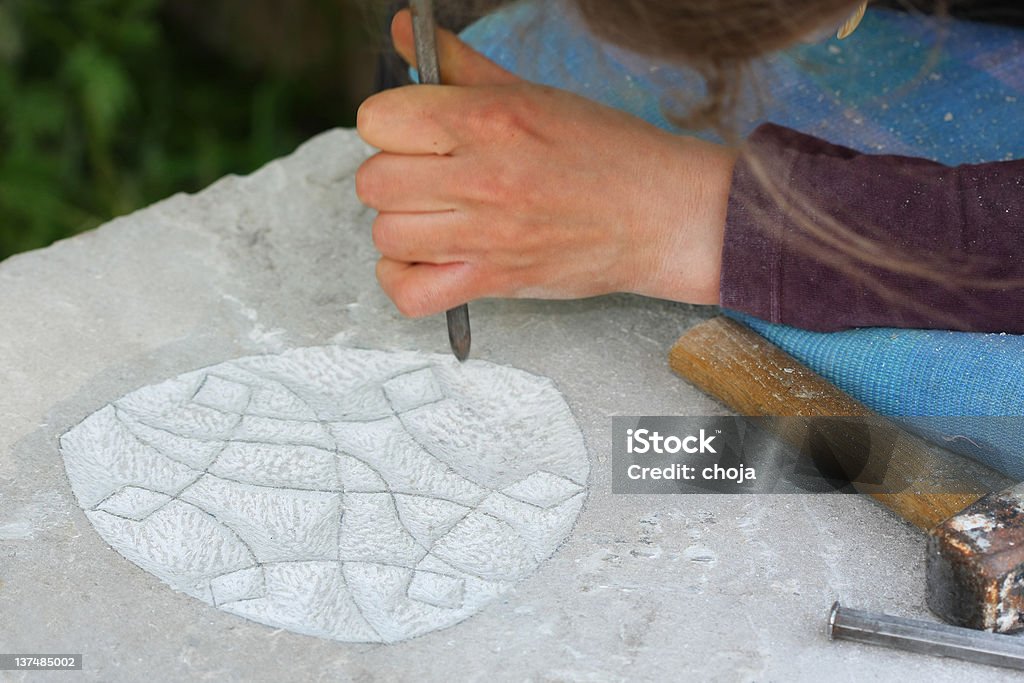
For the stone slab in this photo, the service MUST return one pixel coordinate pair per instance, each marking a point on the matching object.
(711, 588)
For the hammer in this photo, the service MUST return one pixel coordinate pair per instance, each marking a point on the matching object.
(975, 552)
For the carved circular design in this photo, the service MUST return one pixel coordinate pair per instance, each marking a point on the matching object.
(359, 495)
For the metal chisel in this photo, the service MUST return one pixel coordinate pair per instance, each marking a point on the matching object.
(926, 637)
(424, 35)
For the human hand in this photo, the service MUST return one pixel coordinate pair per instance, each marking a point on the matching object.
(491, 186)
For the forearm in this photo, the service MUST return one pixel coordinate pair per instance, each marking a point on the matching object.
(823, 237)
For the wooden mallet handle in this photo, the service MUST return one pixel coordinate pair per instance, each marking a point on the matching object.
(754, 377)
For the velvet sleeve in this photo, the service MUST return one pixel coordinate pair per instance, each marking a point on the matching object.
(823, 237)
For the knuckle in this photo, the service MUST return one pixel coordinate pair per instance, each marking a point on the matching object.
(405, 297)
(499, 185)
(497, 241)
(387, 281)
(505, 284)
(537, 235)
(409, 307)
(366, 115)
(511, 236)
(409, 302)
(497, 118)
(494, 281)
(367, 183)
(363, 184)
(383, 277)
(384, 235)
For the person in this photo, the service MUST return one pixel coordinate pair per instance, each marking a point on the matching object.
(492, 186)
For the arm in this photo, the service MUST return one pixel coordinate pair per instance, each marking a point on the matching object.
(495, 187)
(838, 239)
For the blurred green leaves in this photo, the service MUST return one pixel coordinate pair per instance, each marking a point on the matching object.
(109, 105)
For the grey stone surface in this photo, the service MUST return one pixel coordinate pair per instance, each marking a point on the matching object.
(720, 588)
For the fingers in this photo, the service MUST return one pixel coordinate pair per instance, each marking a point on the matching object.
(411, 120)
(428, 119)
(415, 182)
(444, 119)
(437, 238)
(405, 183)
(460, 64)
(420, 289)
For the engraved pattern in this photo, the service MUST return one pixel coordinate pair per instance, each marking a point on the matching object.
(358, 495)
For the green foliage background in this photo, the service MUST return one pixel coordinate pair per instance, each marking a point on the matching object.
(109, 105)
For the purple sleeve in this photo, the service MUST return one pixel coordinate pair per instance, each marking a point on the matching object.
(823, 237)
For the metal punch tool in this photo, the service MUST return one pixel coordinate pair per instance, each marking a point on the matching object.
(926, 637)
(425, 36)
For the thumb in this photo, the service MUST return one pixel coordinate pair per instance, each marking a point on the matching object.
(460, 64)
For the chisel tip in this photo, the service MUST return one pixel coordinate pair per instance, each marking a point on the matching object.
(458, 331)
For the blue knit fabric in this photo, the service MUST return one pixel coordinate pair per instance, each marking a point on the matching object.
(956, 388)
(952, 92)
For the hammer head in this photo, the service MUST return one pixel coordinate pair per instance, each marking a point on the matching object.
(975, 564)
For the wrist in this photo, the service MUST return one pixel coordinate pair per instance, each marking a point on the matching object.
(683, 258)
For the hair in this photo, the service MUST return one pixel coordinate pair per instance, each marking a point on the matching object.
(720, 39)
(717, 38)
